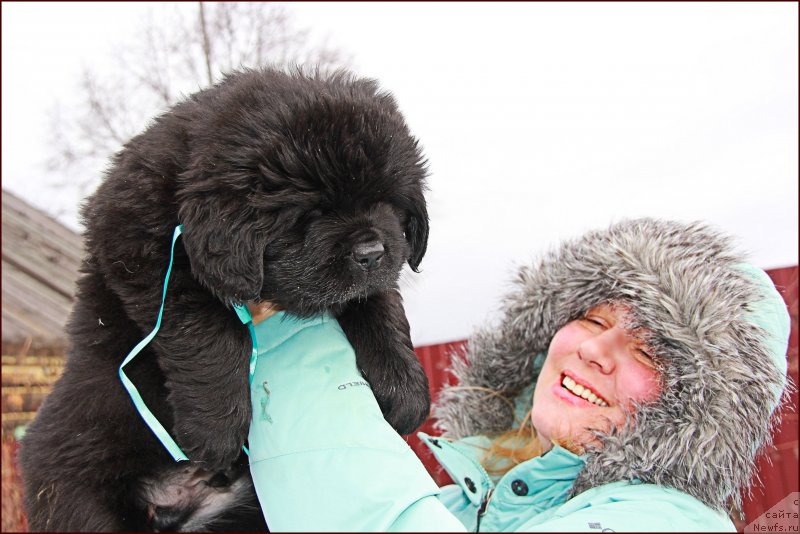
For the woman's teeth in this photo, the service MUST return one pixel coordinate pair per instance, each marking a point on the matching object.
(584, 393)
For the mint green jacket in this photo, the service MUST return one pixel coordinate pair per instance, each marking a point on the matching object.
(324, 459)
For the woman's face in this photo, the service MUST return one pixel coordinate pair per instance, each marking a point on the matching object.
(595, 369)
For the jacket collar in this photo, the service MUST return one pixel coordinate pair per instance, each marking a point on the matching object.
(546, 479)
(281, 326)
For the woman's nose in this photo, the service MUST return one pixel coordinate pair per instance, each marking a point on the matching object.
(601, 350)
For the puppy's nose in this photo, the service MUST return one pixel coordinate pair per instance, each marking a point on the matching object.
(368, 255)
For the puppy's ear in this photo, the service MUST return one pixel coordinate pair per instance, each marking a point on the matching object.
(225, 243)
(417, 233)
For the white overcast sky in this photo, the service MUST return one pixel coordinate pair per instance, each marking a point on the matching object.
(540, 121)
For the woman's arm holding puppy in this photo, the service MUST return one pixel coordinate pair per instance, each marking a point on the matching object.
(322, 455)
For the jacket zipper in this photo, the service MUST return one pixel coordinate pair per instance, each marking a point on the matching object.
(486, 478)
(482, 509)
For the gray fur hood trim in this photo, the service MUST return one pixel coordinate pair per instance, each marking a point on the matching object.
(721, 381)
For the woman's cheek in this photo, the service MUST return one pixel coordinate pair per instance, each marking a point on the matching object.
(641, 384)
(566, 340)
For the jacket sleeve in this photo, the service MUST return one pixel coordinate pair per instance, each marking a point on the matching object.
(321, 455)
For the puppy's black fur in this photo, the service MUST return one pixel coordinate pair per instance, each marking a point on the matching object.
(304, 190)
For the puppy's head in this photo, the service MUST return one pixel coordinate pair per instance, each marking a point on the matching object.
(303, 190)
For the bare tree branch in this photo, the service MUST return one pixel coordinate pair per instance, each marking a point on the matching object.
(206, 43)
(184, 48)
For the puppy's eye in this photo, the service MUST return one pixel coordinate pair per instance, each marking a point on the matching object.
(400, 213)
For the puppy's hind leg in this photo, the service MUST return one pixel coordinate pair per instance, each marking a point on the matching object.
(378, 330)
(188, 498)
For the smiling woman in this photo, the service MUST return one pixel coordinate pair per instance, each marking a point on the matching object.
(597, 370)
(635, 344)
(629, 385)
(595, 373)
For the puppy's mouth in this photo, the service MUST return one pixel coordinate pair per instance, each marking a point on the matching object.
(364, 284)
(327, 266)
(332, 282)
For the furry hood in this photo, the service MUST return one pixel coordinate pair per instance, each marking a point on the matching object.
(723, 369)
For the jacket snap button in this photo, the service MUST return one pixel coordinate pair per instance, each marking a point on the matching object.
(435, 442)
(519, 488)
(470, 484)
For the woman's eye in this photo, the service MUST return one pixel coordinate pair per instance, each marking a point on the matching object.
(645, 358)
(594, 320)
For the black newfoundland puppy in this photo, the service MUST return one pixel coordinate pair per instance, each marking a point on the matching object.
(303, 190)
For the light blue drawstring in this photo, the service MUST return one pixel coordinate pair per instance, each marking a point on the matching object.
(150, 419)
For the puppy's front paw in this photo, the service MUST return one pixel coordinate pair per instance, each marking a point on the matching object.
(408, 412)
(404, 397)
(378, 331)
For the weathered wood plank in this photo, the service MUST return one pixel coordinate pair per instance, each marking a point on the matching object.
(19, 214)
(28, 293)
(30, 375)
(40, 266)
(33, 359)
(23, 398)
(12, 420)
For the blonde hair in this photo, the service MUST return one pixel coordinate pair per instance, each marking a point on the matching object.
(512, 447)
(518, 444)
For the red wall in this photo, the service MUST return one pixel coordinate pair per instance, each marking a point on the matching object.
(778, 465)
